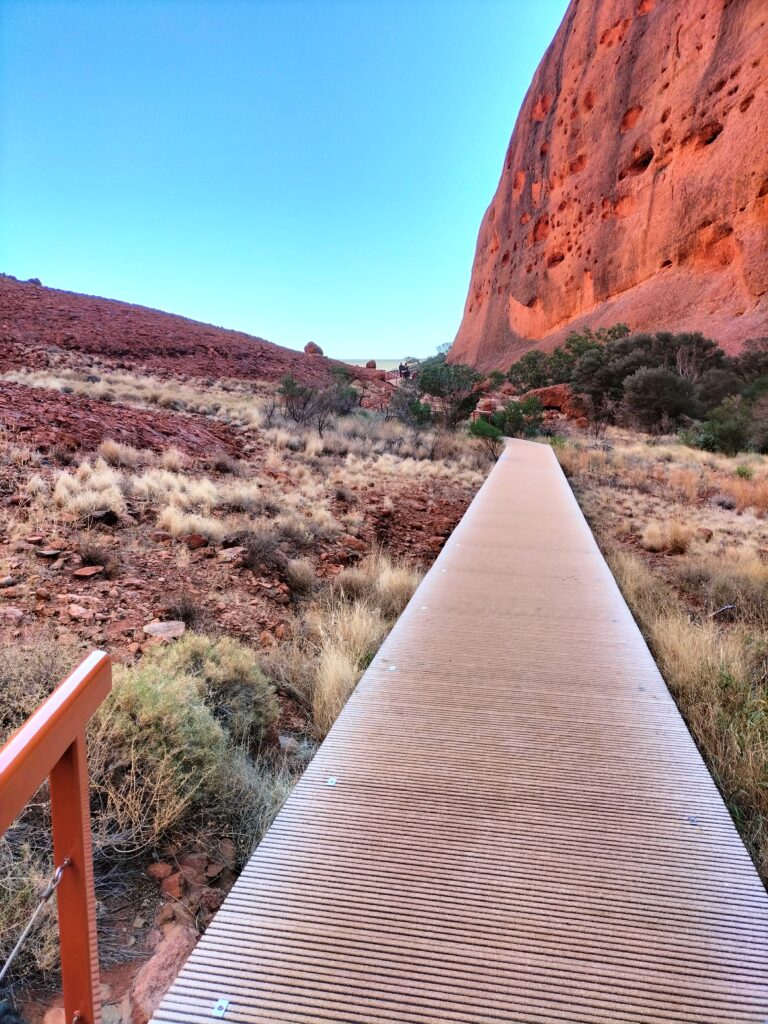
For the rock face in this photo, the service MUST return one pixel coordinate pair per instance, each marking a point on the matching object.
(635, 186)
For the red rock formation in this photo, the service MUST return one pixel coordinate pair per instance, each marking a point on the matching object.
(311, 349)
(635, 187)
(35, 320)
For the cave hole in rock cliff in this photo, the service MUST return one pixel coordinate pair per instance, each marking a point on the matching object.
(641, 160)
(555, 258)
(705, 135)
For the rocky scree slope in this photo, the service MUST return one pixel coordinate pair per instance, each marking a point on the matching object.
(34, 319)
(635, 186)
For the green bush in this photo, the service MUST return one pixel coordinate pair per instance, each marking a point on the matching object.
(454, 386)
(655, 398)
(229, 681)
(520, 419)
(728, 428)
(536, 369)
(155, 749)
(489, 437)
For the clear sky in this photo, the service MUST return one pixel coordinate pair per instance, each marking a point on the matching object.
(301, 171)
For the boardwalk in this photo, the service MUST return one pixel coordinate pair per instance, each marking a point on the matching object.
(508, 823)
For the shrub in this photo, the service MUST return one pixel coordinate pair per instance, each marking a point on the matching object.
(728, 427)
(454, 386)
(297, 399)
(186, 607)
(300, 576)
(490, 439)
(714, 385)
(537, 369)
(94, 552)
(406, 406)
(154, 747)
(745, 472)
(229, 680)
(520, 419)
(655, 398)
(262, 549)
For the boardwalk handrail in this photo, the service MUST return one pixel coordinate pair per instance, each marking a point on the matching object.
(51, 745)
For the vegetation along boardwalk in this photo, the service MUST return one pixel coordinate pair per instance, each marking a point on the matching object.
(508, 822)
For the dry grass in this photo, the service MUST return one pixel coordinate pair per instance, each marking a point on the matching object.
(718, 674)
(671, 537)
(184, 524)
(348, 635)
(705, 611)
(91, 488)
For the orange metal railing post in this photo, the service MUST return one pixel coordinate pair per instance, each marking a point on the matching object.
(75, 898)
(51, 744)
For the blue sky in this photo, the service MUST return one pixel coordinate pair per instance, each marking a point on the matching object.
(298, 170)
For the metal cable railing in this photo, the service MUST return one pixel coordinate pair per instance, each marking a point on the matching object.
(46, 894)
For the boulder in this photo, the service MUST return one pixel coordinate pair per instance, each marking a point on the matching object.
(165, 630)
(371, 364)
(560, 397)
(158, 973)
(312, 349)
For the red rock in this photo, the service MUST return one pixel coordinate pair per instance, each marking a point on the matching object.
(11, 613)
(166, 913)
(195, 541)
(76, 611)
(312, 349)
(353, 542)
(165, 630)
(49, 552)
(171, 885)
(159, 870)
(88, 571)
(371, 364)
(159, 972)
(635, 185)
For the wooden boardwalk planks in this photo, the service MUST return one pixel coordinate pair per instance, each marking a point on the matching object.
(521, 828)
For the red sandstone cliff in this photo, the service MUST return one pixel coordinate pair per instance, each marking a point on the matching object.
(635, 186)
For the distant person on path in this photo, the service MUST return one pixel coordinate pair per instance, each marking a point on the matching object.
(400, 370)
(406, 374)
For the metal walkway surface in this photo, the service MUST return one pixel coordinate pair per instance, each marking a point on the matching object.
(509, 821)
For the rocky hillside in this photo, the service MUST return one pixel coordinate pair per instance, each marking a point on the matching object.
(635, 186)
(35, 319)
